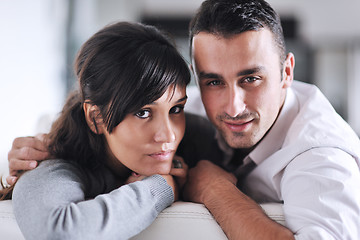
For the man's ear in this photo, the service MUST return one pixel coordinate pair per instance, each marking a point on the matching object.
(288, 70)
(93, 118)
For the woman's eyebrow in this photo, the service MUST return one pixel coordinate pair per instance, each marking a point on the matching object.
(182, 99)
(178, 101)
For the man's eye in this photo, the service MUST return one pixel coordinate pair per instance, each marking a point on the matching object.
(143, 113)
(214, 83)
(250, 79)
(176, 109)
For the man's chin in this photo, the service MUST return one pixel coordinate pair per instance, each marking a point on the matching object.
(239, 140)
(241, 145)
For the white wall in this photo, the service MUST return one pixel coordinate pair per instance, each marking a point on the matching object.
(321, 19)
(30, 62)
(353, 71)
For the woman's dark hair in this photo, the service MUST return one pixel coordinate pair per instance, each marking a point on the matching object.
(120, 69)
(229, 17)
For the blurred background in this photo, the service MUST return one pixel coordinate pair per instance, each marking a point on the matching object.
(39, 39)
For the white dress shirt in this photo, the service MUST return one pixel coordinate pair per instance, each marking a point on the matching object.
(309, 160)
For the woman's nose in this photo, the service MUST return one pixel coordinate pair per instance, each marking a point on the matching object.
(164, 132)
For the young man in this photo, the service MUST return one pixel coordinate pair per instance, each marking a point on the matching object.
(283, 142)
(280, 140)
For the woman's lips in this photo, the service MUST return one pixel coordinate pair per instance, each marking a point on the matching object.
(162, 156)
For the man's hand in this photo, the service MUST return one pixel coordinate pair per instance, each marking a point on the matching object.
(203, 178)
(24, 154)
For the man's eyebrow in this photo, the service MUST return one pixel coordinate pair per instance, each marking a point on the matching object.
(204, 75)
(251, 71)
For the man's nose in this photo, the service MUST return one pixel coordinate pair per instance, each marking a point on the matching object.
(235, 104)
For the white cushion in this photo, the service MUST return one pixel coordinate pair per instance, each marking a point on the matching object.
(182, 220)
(185, 220)
(9, 229)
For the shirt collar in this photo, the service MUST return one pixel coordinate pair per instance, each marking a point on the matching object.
(274, 139)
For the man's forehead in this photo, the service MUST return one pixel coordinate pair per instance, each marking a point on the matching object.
(249, 41)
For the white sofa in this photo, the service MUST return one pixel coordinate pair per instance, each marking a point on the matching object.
(182, 220)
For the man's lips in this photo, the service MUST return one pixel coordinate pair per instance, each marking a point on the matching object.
(238, 126)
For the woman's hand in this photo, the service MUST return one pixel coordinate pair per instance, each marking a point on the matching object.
(179, 171)
(134, 177)
(177, 176)
(175, 179)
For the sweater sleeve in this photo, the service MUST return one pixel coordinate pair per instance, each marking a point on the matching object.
(50, 203)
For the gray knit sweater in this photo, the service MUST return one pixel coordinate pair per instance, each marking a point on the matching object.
(59, 200)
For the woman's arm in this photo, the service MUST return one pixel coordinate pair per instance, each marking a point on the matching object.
(50, 203)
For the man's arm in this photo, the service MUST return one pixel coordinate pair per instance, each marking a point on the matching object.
(238, 215)
(24, 154)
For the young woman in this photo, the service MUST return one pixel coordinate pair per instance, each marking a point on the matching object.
(114, 141)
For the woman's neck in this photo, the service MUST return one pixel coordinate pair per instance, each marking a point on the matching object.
(116, 166)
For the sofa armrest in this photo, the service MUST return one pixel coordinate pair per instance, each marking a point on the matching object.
(185, 220)
(182, 220)
(9, 229)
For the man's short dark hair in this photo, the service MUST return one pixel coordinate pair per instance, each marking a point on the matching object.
(229, 17)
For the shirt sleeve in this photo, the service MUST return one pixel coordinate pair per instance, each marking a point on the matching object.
(50, 203)
(321, 193)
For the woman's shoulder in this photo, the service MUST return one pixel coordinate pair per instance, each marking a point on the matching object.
(51, 170)
(55, 165)
(55, 172)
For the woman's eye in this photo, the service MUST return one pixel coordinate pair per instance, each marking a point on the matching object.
(176, 109)
(143, 113)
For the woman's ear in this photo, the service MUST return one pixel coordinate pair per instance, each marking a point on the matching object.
(93, 118)
(288, 70)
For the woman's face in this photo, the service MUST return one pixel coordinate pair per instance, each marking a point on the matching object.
(145, 141)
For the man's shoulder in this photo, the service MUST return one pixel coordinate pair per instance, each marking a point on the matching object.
(199, 141)
(196, 124)
(317, 124)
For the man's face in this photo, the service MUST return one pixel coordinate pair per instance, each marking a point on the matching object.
(240, 83)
